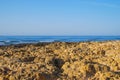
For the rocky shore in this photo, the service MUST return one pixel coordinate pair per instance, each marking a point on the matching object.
(61, 61)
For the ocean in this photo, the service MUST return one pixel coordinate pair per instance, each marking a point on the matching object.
(8, 40)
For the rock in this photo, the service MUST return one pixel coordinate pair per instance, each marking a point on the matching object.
(1, 78)
(61, 61)
(12, 78)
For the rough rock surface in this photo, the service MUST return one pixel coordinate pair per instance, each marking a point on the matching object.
(61, 61)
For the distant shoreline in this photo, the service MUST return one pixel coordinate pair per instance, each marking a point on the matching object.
(8, 40)
(38, 43)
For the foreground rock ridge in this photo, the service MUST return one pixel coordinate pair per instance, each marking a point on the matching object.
(61, 61)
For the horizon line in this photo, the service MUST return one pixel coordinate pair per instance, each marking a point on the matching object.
(59, 35)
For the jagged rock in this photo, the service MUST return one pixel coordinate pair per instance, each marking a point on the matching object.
(61, 61)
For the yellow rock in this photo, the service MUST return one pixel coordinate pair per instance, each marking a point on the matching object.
(61, 61)
(12, 78)
(1, 78)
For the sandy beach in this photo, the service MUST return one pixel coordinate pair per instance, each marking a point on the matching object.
(61, 61)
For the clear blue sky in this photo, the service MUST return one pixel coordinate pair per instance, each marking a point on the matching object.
(59, 17)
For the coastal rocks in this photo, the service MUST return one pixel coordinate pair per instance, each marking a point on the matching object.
(27, 59)
(83, 70)
(106, 76)
(61, 61)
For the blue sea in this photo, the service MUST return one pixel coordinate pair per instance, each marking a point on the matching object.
(8, 40)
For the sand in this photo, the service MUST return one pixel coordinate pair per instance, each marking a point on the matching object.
(61, 61)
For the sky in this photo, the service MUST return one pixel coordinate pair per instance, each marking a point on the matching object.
(59, 17)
